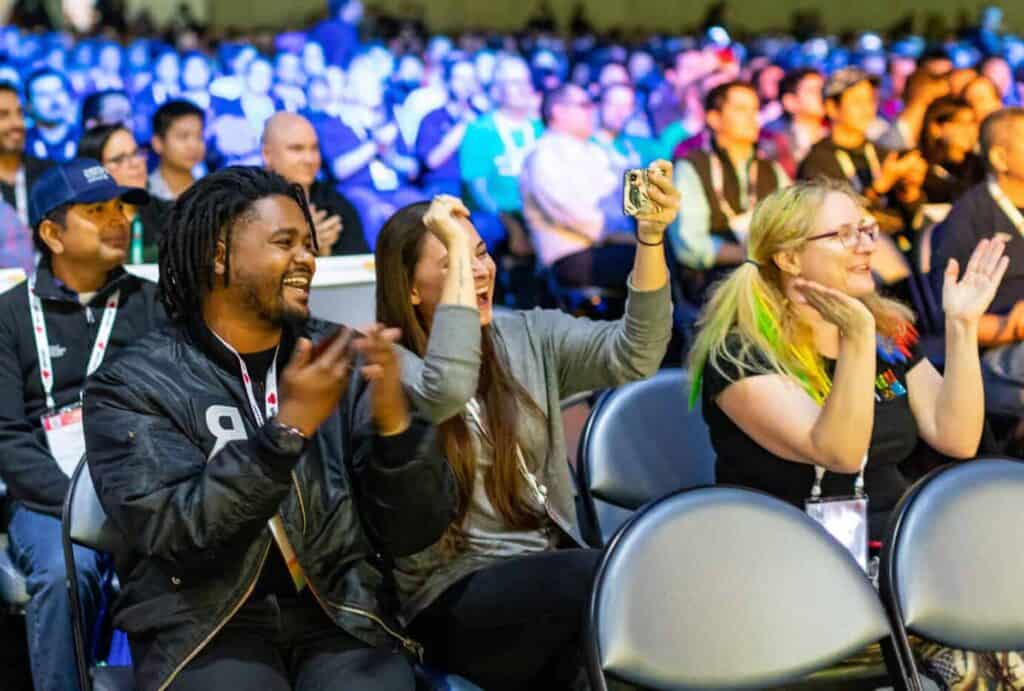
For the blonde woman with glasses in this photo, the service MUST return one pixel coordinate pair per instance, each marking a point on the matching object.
(812, 384)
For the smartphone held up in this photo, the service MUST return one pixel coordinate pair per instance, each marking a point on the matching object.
(635, 198)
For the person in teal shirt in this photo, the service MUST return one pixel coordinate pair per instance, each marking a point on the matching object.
(496, 146)
(618, 105)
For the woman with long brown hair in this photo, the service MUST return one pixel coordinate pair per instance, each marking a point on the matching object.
(500, 598)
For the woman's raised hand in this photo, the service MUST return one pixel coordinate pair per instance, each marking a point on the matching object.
(442, 219)
(969, 298)
(848, 313)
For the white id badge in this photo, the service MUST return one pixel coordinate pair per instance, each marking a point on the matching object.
(65, 436)
(846, 519)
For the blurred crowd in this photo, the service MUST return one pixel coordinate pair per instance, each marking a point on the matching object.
(535, 131)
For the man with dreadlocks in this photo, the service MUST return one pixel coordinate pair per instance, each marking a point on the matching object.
(260, 510)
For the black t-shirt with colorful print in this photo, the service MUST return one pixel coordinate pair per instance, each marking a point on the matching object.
(743, 462)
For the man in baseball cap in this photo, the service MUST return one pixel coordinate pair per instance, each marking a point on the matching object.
(846, 78)
(77, 308)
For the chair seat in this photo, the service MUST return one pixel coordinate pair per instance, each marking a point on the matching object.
(12, 581)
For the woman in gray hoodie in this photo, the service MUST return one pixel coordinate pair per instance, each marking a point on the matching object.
(500, 599)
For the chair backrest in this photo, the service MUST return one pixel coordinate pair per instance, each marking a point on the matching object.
(641, 443)
(85, 520)
(725, 588)
(952, 566)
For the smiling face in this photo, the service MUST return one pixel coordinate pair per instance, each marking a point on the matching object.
(12, 123)
(827, 261)
(856, 108)
(272, 262)
(432, 268)
(96, 235)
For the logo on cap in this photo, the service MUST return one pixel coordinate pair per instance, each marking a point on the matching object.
(95, 174)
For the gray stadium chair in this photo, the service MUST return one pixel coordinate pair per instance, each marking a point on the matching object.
(13, 592)
(12, 581)
(725, 588)
(952, 566)
(640, 443)
(85, 523)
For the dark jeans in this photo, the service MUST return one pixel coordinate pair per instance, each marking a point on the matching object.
(282, 644)
(514, 625)
(36, 549)
(605, 266)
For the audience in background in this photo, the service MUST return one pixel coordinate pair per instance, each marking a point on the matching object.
(890, 182)
(905, 132)
(720, 186)
(493, 152)
(19, 169)
(77, 309)
(52, 109)
(572, 198)
(16, 248)
(291, 149)
(788, 139)
(115, 148)
(994, 210)
(616, 108)
(984, 97)
(442, 131)
(998, 71)
(108, 107)
(960, 78)
(178, 142)
(949, 137)
(366, 154)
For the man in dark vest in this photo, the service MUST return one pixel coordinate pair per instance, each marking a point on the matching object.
(720, 185)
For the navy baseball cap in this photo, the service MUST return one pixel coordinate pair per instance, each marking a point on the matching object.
(80, 181)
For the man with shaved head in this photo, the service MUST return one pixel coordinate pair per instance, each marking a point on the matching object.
(992, 209)
(292, 150)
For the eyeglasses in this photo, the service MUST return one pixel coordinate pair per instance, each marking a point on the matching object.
(850, 234)
(121, 159)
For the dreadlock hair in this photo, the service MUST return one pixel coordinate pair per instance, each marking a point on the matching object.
(203, 216)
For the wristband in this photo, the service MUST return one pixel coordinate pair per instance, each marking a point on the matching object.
(651, 244)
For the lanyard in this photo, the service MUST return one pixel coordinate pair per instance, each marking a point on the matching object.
(99, 348)
(21, 195)
(850, 170)
(858, 484)
(269, 410)
(270, 385)
(136, 244)
(1011, 211)
(508, 141)
(718, 185)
